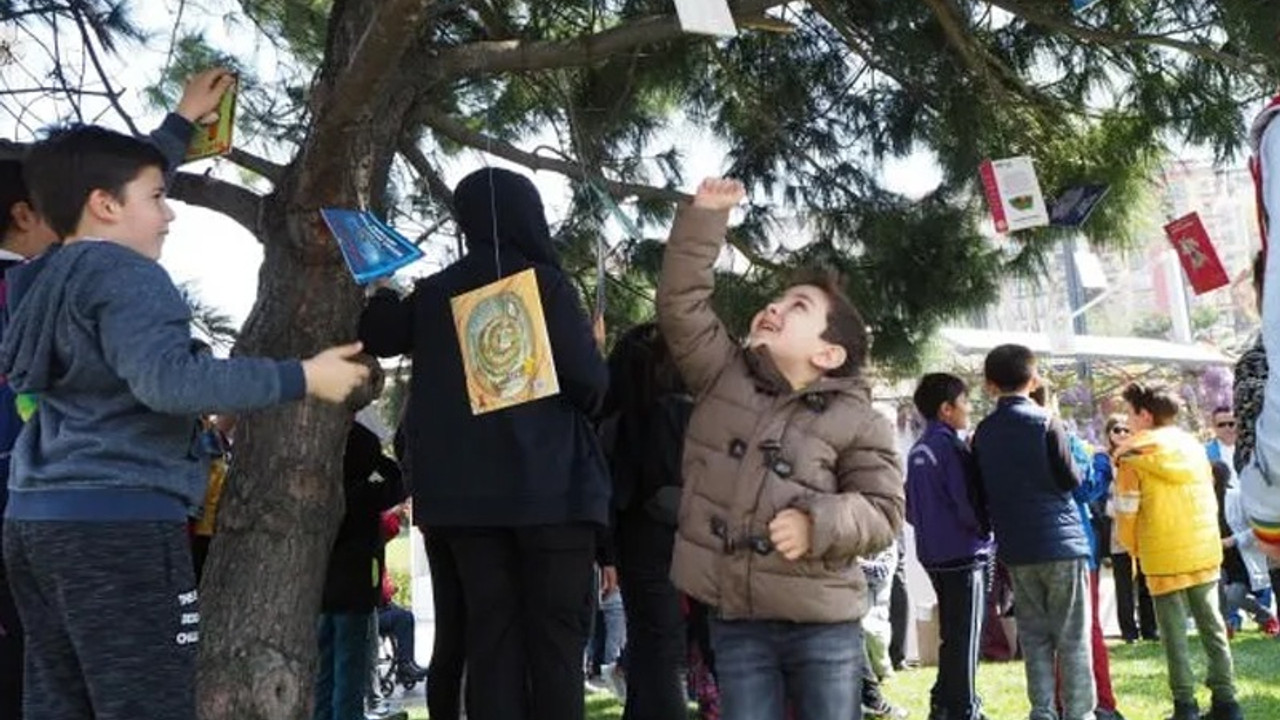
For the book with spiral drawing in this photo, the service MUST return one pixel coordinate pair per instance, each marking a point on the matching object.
(506, 350)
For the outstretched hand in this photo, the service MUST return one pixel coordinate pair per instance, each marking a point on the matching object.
(333, 374)
(719, 194)
(203, 92)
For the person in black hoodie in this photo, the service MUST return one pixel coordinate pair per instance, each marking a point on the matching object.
(371, 484)
(516, 495)
(646, 413)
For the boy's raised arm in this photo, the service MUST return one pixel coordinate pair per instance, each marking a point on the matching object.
(698, 341)
(866, 515)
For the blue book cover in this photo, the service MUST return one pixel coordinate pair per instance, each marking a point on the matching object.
(370, 248)
(1073, 207)
(1079, 5)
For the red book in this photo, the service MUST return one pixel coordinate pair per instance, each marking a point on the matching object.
(1195, 250)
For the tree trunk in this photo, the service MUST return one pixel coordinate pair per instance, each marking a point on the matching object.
(283, 501)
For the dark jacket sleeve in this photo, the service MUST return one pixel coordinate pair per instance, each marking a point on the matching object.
(145, 336)
(959, 478)
(580, 368)
(172, 139)
(1061, 464)
(386, 325)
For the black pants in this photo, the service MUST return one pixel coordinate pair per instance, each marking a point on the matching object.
(10, 652)
(899, 609)
(655, 627)
(1123, 568)
(528, 593)
(449, 652)
(111, 617)
(962, 600)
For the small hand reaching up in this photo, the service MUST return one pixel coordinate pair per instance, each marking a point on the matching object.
(332, 375)
(719, 194)
(203, 92)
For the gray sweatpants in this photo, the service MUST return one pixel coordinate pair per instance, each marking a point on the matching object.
(1052, 606)
(111, 618)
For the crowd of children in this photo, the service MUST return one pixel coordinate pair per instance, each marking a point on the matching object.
(753, 495)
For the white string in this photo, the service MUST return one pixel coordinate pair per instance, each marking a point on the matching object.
(493, 197)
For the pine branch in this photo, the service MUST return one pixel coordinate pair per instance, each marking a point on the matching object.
(260, 165)
(112, 96)
(461, 134)
(498, 56)
(456, 131)
(1111, 39)
(238, 203)
(428, 175)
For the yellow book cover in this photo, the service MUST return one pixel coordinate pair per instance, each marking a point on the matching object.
(506, 352)
(215, 138)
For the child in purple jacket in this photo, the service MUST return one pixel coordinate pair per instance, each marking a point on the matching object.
(953, 540)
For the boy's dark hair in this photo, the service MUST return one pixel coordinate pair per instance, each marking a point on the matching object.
(1010, 367)
(13, 190)
(1155, 399)
(62, 170)
(845, 326)
(1222, 409)
(935, 390)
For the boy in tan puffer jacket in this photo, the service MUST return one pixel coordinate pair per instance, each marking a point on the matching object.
(789, 476)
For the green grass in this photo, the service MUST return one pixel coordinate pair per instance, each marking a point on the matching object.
(1137, 673)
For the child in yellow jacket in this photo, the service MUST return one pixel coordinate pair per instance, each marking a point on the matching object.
(1166, 516)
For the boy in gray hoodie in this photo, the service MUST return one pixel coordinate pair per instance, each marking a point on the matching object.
(104, 475)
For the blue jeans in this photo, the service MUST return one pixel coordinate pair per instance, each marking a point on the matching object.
(344, 666)
(761, 666)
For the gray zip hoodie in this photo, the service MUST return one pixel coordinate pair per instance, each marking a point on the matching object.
(102, 337)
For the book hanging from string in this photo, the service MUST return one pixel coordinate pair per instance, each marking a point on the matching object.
(214, 139)
(1074, 206)
(706, 17)
(370, 248)
(1195, 250)
(1013, 194)
(506, 349)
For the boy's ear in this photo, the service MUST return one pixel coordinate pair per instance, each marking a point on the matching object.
(830, 357)
(102, 206)
(24, 217)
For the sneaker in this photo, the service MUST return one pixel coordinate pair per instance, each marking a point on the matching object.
(1271, 628)
(613, 681)
(1228, 710)
(882, 710)
(1185, 711)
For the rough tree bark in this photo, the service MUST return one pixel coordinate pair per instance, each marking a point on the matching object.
(283, 501)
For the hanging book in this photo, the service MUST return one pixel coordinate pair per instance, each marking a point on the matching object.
(1195, 250)
(1082, 5)
(706, 17)
(370, 248)
(1076, 204)
(506, 351)
(214, 139)
(1013, 194)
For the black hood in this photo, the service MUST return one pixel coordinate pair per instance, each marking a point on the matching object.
(512, 200)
